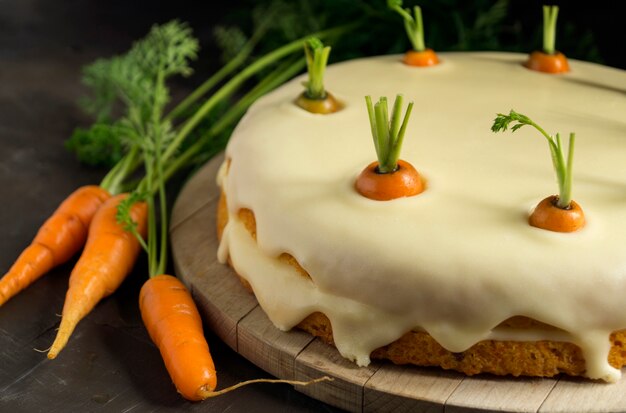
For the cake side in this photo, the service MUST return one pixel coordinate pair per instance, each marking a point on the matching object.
(542, 358)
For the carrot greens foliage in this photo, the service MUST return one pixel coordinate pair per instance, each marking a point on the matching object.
(388, 134)
(140, 77)
(562, 166)
(129, 96)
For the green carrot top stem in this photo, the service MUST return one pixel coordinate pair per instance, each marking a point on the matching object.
(550, 14)
(562, 166)
(316, 60)
(412, 23)
(388, 134)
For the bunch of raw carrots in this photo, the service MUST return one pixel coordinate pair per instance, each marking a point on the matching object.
(127, 212)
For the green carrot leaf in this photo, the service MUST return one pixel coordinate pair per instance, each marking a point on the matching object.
(124, 218)
(99, 145)
(562, 167)
(231, 40)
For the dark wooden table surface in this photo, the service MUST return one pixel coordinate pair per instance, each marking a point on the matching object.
(110, 364)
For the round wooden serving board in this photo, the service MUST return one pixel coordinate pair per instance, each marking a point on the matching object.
(234, 314)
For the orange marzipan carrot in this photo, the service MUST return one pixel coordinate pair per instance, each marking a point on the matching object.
(108, 257)
(324, 106)
(403, 182)
(58, 239)
(174, 324)
(547, 63)
(547, 215)
(426, 57)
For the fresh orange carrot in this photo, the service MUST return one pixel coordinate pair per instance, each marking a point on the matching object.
(323, 106)
(548, 60)
(547, 215)
(174, 325)
(426, 57)
(108, 257)
(58, 239)
(404, 181)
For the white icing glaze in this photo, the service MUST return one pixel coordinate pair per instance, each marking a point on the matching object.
(458, 259)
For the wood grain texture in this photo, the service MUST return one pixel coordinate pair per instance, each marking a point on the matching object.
(269, 348)
(577, 396)
(409, 389)
(347, 388)
(233, 313)
(486, 393)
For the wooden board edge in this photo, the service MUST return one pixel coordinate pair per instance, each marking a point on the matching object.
(272, 350)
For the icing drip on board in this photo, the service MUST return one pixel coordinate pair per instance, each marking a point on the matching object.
(458, 259)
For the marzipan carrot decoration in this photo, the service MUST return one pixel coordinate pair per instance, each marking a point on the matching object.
(548, 60)
(390, 177)
(420, 55)
(559, 213)
(108, 257)
(58, 240)
(315, 98)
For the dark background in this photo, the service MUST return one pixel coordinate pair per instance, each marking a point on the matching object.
(110, 363)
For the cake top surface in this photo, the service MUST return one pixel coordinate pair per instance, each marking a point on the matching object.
(459, 258)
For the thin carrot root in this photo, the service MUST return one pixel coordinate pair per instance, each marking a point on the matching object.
(58, 239)
(209, 394)
(324, 106)
(108, 257)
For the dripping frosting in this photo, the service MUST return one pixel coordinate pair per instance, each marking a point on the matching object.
(458, 259)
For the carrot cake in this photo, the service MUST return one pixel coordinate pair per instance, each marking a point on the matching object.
(454, 277)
